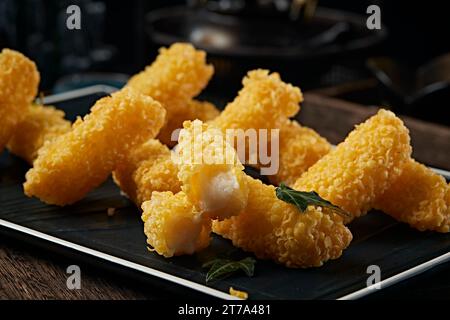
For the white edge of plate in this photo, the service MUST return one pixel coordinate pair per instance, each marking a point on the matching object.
(73, 94)
(190, 284)
(119, 261)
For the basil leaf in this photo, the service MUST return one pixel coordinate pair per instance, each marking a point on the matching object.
(303, 199)
(222, 268)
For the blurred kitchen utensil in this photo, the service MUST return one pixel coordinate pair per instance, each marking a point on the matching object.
(422, 92)
(303, 51)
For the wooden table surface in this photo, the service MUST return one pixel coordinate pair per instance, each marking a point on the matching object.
(30, 273)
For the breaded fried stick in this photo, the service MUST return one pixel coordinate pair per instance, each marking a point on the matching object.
(447, 200)
(273, 229)
(80, 160)
(418, 198)
(194, 109)
(41, 124)
(149, 167)
(299, 148)
(264, 102)
(201, 110)
(19, 80)
(178, 74)
(211, 174)
(214, 187)
(172, 225)
(362, 168)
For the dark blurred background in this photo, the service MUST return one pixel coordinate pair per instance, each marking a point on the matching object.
(322, 46)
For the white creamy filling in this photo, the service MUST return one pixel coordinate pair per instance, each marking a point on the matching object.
(220, 195)
(183, 234)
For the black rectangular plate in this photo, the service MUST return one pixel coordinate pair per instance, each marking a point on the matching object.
(85, 227)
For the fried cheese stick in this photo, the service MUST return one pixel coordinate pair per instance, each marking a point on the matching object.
(416, 196)
(299, 148)
(172, 225)
(80, 160)
(193, 110)
(214, 187)
(178, 74)
(41, 124)
(149, 167)
(210, 172)
(362, 168)
(273, 229)
(19, 80)
(419, 197)
(264, 102)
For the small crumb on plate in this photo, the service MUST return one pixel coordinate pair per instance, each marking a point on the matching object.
(239, 294)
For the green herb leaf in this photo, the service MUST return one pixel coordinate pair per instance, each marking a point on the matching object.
(222, 268)
(302, 199)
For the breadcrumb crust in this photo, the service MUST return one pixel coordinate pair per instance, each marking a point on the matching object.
(80, 160)
(41, 124)
(19, 80)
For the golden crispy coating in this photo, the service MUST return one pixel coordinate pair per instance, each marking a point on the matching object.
(263, 103)
(211, 174)
(202, 110)
(418, 197)
(194, 109)
(41, 124)
(447, 200)
(178, 74)
(299, 148)
(78, 161)
(362, 168)
(274, 229)
(147, 168)
(173, 226)
(214, 186)
(19, 80)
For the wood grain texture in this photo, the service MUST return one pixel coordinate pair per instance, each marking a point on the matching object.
(27, 273)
